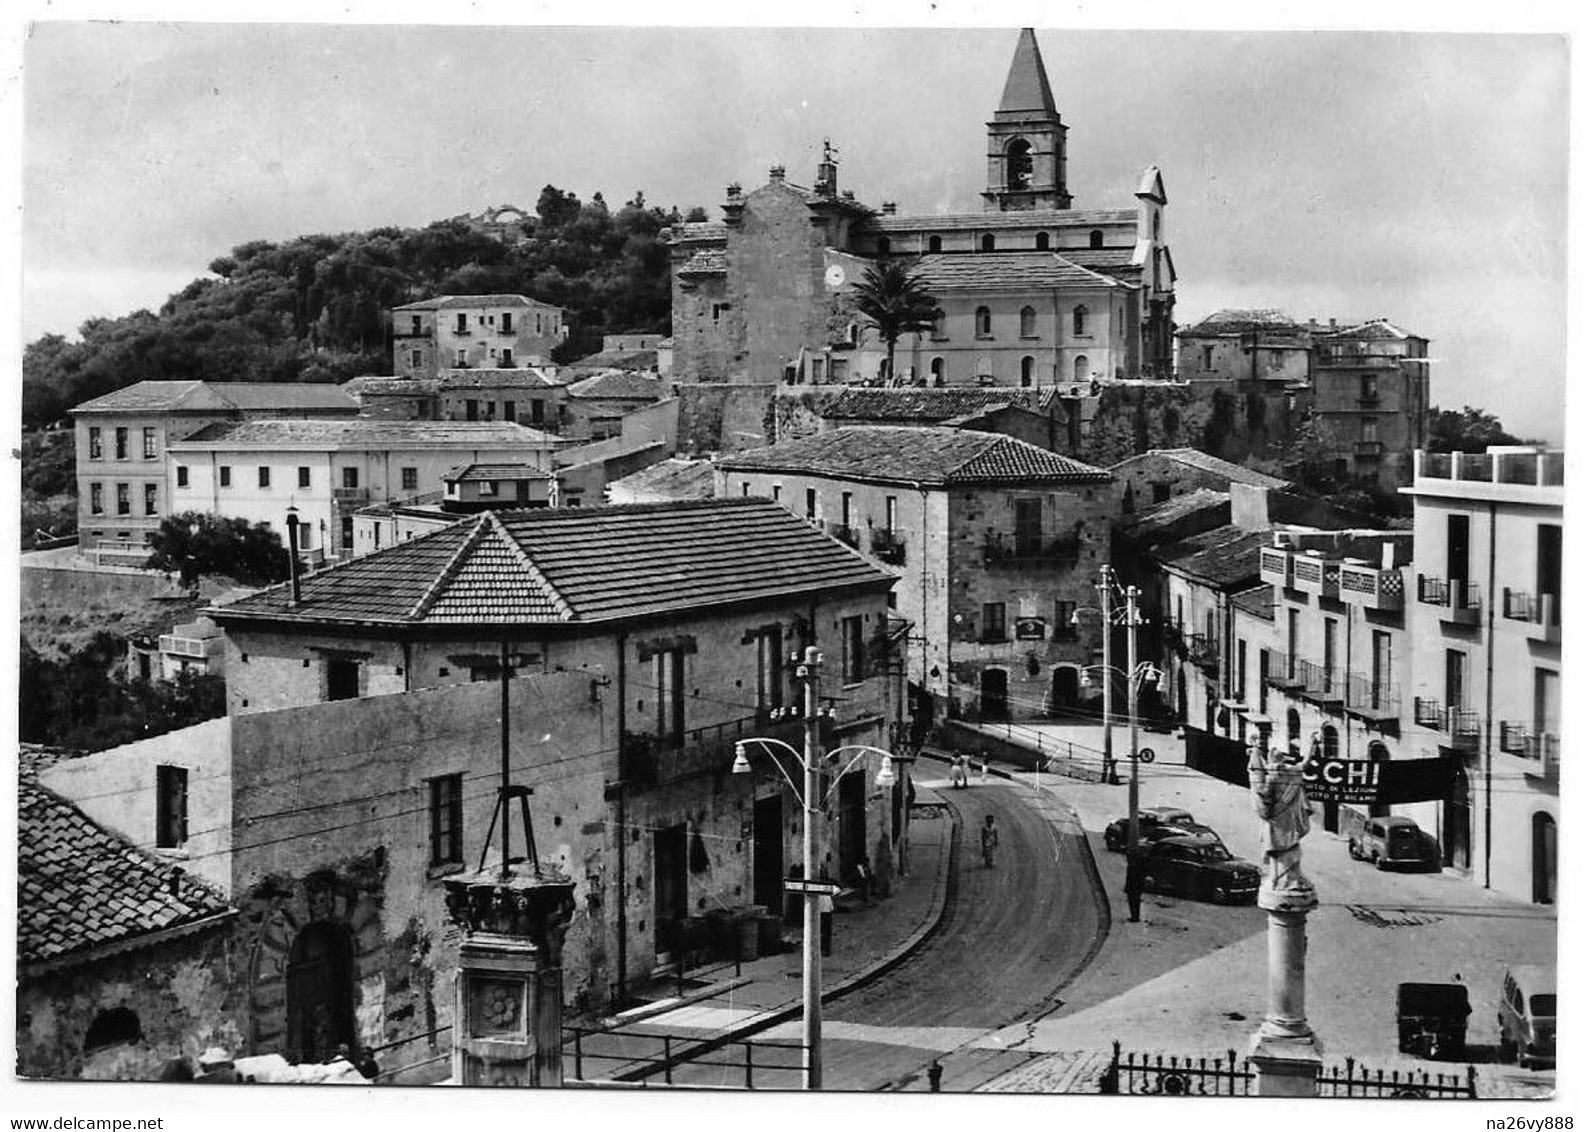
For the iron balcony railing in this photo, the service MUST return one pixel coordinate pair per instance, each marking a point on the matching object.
(1372, 697)
(1461, 725)
(1460, 599)
(888, 546)
(845, 533)
(648, 759)
(1518, 739)
(1000, 549)
(198, 647)
(1319, 681)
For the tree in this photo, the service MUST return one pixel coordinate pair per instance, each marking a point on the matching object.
(896, 302)
(1466, 430)
(194, 544)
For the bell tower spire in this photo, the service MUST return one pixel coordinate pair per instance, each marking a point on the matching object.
(1027, 143)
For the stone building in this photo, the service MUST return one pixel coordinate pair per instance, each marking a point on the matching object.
(597, 404)
(473, 331)
(1033, 291)
(1164, 473)
(995, 542)
(1038, 416)
(123, 477)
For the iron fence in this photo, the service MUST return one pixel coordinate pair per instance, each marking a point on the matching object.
(639, 1058)
(1170, 1076)
(1353, 1080)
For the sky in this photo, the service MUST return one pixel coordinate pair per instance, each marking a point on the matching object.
(1419, 176)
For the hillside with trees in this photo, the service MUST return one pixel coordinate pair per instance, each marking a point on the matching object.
(313, 308)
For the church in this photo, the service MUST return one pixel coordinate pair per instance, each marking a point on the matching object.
(1034, 293)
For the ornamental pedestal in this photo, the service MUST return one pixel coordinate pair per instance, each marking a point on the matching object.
(507, 1028)
(1285, 1051)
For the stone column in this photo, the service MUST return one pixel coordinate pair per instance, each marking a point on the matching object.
(507, 1026)
(1286, 1051)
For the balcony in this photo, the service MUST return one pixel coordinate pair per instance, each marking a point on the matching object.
(1459, 601)
(1196, 648)
(1369, 449)
(1276, 567)
(843, 532)
(648, 760)
(1513, 739)
(1025, 550)
(1373, 701)
(1370, 586)
(1283, 673)
(888, 546)
(1319, 684)
(1541, 615)
(350, 496)
(199, 648)
(1460, 725)
(1369, 400)
(1315, 575)
(1428, 713)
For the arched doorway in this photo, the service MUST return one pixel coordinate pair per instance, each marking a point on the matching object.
(1379, 754)
(1330, 812)
(1543, 863)
(1455, 813)
(1026, 371)
(937, 371)
(1064, 688)
(319, 993)
(1081, 368)
(993, 694)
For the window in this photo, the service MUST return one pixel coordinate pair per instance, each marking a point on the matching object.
(123, 499)
(417, 324)
(1026, 371)
(1019, 165)
(378, 530)
(341, 679)
(938, 371)
(1292, 643)
(846, 509)
(95, 445)
(346, 532)
(745, 489)
(1028, 322)
(1368, 388)
(150, 499)
(417, 359)
(1097, 239)
(669, 685)
(994, 623)
(409, 479)
(509, 410)
(170, 807)
(304, 533)
(461, 358)
(852, 650)
(121, 443)
(506, 325)
(1207, 357)
(461, 324)
(445, 819)
(96, 498)
(1081, 368)
(117, 1026)
(149, 447)
(720, 309)
(934, 245)
(181, 475)
(536, 411)
(225, 475)
(1242, 670)
(811, 504)
(1330, 654)
(767, 645)
(489, 410)
(1456, 688)
(506, 357)
(775, 492)
(987, 242)
(890, 512)
(349, 478)
(1548, 564)
(471, 408)
(982, 322)
(304, 477)
(1026, 528)
(486, 487)
(1042, 242)
(1369, 429)
(264, 475)
(1080, 319)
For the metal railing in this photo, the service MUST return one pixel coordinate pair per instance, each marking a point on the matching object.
(199, 647)
(845, 533)
(761, 1064)
(1319, 680)
(1376, 698)
(1353, 1080)
(888, 546)
(1170, 1076)
(1455, 595)
(999, 549)
(1513, 739)
(647, 759)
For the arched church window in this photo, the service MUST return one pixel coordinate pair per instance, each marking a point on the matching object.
(987, 242)
(937, 371)
(1097, 239)
(1019, 164)
(982, 322)
(1080, 319)
(1042, 242)
(1027, 374)
(934, 244)
(1028, 322)
(1081, 368)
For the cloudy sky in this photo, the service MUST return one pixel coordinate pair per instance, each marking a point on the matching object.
(1419, 176)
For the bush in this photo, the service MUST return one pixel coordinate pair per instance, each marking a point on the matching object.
(194, 544)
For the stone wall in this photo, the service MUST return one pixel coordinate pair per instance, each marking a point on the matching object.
(1221, 418)
(719, 417)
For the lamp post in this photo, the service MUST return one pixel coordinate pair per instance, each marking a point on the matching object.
(1108, 587)
(811, 801)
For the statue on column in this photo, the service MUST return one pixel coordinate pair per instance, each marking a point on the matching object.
(1277, 787)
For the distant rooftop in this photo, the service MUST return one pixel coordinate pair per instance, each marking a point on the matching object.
(365, 432)
(478, 473)
(1226, 557)
(1007, 271)
(925, 403)
(617, 385)
(221, 397)
(451, 302)
(1203, 461)
(675, 478)
(1233, 322)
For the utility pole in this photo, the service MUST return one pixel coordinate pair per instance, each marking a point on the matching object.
(1133, 725)
(1108, 759)
(812, 1060)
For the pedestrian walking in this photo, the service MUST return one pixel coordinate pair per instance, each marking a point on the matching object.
(959, 772)
(935, 1072)
(989, 840)
(984, 767)
(1134, 883)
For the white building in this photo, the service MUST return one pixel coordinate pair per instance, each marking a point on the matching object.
(328, 470)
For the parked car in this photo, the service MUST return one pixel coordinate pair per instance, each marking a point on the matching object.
(1432, 1019)
(1526, 1017)
(1201, 868)
(1155, 822)
(1393, 842)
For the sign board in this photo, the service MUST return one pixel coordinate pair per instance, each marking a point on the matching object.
(1342, 780)
(1030, 628)
(814, 887)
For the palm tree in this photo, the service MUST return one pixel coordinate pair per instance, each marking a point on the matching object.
(895, 301)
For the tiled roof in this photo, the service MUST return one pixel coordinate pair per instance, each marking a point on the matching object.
(365, 432)
(575, 566)
(514, 378)
(1226, 557)
(1159, 520)
(220, 396)
(979, 271)
(930, 404)
(1244, 322)
(676, 478)
(475, 473)
(708, 261)
(613, 359)
(1052, 219)
(450, 302)
(392, 386)
(80, 886)
(698, 231)
(1205, 462)
(915, 455)
(1260, 601)
(1375, 330)
(1101, 259)
(618, 385)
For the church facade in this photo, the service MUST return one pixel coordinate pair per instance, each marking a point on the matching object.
(1034, 292)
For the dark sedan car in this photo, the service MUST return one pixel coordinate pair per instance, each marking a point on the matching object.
(1200, 868)
(1155, 823)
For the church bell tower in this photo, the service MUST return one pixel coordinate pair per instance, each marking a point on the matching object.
(1027, 143)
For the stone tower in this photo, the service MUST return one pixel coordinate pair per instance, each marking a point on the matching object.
(1027, 143)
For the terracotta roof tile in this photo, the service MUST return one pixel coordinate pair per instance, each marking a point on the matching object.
(930, 404)
(451, 302)
(980, 271)
(1052, 219)
(367, 432)
(221, 396)
(620, 386)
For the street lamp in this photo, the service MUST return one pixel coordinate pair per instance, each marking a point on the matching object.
(1109, 616)
(812, 802)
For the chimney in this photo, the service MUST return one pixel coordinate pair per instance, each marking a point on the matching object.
(292, 565)
(888, 208)
(175, 881)
(1333, 324)
(777, 174)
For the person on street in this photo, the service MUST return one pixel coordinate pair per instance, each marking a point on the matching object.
(959, 772)
(935, 1072)
(1134, 884)
(989, 840)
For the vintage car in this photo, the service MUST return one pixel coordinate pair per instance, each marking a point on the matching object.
(1526, 1017)
(1201, 868)
(1155, 822)
(1394, 843)
(1432, 1019)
